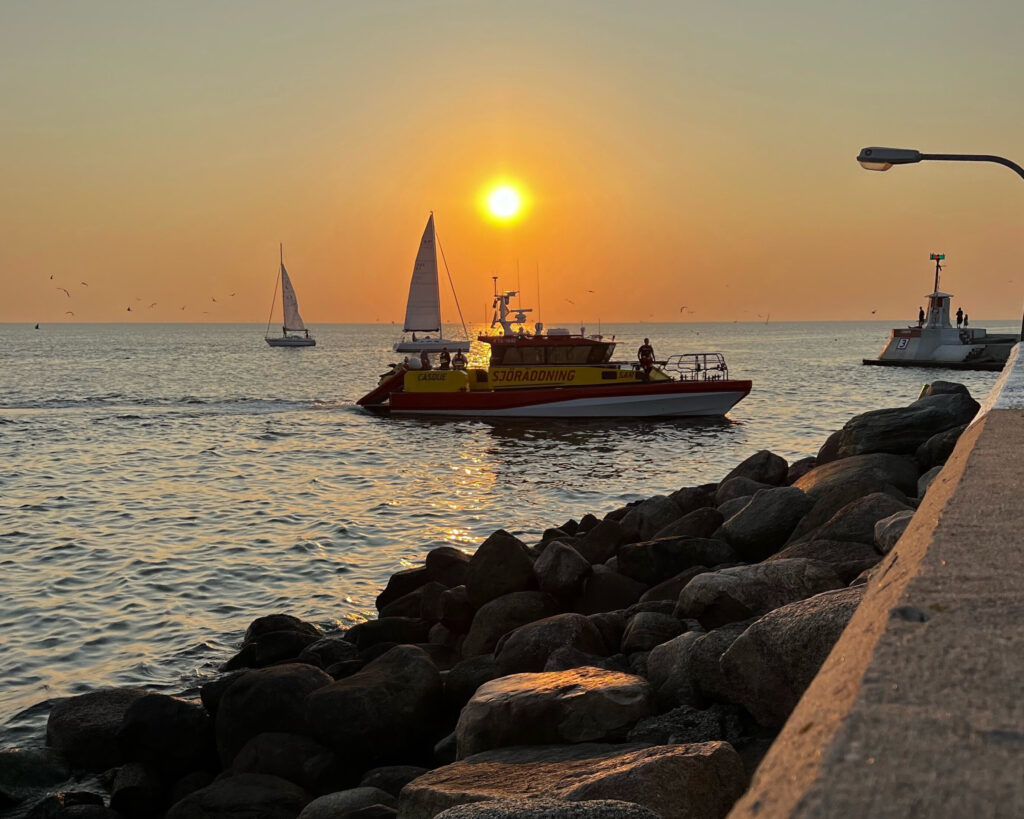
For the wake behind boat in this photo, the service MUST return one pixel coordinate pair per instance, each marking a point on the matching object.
(292, 322)
(423, 307)
(559, 375)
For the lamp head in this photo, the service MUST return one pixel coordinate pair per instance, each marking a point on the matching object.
(881, 159)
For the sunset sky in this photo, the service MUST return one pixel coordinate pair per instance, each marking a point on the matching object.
(668, 154)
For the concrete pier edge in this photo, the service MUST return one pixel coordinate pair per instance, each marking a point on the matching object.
(919, 709)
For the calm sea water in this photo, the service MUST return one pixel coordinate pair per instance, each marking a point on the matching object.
(166, 484)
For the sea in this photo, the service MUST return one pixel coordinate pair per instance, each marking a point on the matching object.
(165, 484)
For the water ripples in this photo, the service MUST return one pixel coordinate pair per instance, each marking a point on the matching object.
(165, 485)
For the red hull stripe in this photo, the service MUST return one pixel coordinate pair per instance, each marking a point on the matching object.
(508, 399)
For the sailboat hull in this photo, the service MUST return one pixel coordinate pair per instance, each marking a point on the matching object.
(291, 342)
(431, 345)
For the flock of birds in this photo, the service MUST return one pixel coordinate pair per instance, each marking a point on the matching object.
(129, 308)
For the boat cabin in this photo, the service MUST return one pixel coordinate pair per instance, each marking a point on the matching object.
(538, 349)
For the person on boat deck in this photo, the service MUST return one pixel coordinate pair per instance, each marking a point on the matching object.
(413, 336)
(646, 356)
(965, 319)
(425, 360)
(920, 316)
(959, 316)
(444, 360)
(459, 360)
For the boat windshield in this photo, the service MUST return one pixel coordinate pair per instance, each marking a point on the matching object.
(592, 353)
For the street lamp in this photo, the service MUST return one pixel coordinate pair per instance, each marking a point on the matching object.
(881, 159)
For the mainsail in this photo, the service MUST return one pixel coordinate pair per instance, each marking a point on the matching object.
(292, 319)
(423, 310)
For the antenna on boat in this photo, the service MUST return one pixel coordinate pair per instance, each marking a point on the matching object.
(273, 300)
(938, 259)
(538, 288)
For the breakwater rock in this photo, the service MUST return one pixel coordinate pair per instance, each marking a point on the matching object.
(636, 663)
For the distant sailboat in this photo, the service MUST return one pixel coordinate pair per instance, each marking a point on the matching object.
(292, 320)
(423, 307)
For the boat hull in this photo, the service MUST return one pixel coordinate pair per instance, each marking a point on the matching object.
(673, 399)
(291, 342)
(431, 345)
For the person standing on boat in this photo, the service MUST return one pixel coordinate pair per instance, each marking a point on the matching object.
(959, 317)
(425, 360)
(459, 360)
(965, 319)
(646, 356)
(920, 317)
(444, 359)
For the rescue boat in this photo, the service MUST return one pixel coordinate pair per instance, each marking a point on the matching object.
(558, 374)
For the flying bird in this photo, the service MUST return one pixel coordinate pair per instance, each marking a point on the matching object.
(129, 309)
(85, 283)
(682, 308)
(152, 305)
(873, 312)
(184, 306)
(212, 299)
(570, 301)
(232, 294)
(51, 277)
(69, 312)
(66, 293)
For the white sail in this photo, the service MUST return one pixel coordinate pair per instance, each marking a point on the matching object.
(423, 310)
(292, 319)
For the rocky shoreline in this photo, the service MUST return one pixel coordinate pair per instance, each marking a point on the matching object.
(633, 665)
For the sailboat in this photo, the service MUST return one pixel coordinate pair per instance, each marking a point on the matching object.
(292, 322)
(423, 307)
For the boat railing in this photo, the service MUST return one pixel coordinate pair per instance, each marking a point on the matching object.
(696, 367)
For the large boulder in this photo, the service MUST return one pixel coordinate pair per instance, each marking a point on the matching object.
(501, 565)
(690, 498)
(648, 516)
(702, 522)
(384, 713)
(669, 589)
(856, 521)
(265, 699)
(401, 583)
(456, 610)
(902, 430)
(926, 480)
(607, 590)
(834, 498)
(279, 754)
(137, 791)
(653, 561)
(422, 603)
(761, 527)
(937, 449)
(602, 541)
(798, 469)
(27, 772)
(541, 808)
(847, 559)
(347, 803)
(448, 566)
(738, 487)
(685, 724)
(169, 734)
(897, 470)
(388, 630)
(770, 665)
(889, 530)
(578, 705)
(763, 467)
(730, 595)
(245, 795)
(86, 728)
(686, 671)
(561, 570)
(673, 781)
(327, 651)
(528, 647)
(391, 778)
(647, 629)
(504, 614)
(462, 681)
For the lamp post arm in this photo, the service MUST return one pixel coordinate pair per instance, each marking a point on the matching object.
(1013, 166)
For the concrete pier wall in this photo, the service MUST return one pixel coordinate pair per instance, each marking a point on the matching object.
(919, 709)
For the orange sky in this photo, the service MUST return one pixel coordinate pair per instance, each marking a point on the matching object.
(673, 153)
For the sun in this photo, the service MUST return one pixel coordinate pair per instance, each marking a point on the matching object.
(504, 202)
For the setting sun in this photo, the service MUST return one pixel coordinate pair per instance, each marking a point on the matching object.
(504, 202)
